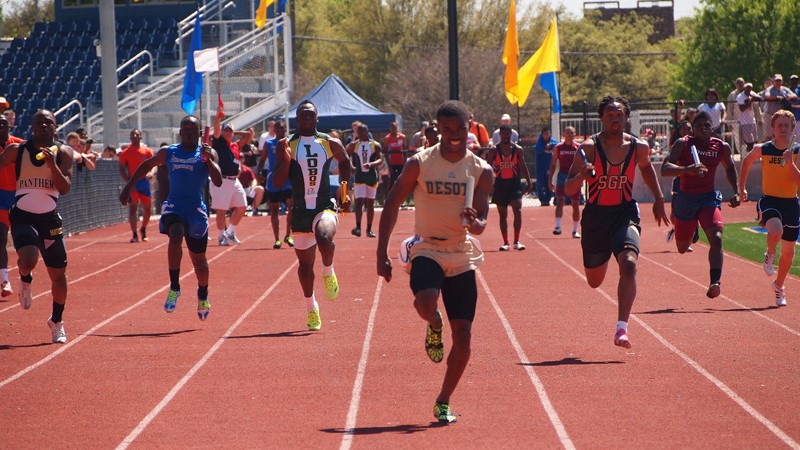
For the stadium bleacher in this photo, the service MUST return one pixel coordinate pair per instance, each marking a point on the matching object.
(58, 63)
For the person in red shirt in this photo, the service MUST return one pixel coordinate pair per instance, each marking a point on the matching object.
(394, 144)
(252, 189)
(564, 153)
(8, 186)
(129, 160)
(479, 131)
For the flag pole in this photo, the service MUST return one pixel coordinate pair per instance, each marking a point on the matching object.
(519, 130)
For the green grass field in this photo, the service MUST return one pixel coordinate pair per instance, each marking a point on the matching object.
(739, 238)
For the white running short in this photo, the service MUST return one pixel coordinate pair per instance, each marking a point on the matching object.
(364, 191)
(304, 241)
(229, 195)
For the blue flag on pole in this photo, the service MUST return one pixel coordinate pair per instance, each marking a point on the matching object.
(193, 82)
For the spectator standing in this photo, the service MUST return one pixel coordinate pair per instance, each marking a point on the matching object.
(479, 130)
(231, 193)
(394, 145)
(11, 117)
(732, 113)
(505, 119)
(109, 153)
(75, 146)
(748, 131)
(795, 105)
(8, 185)
(417, 141)
(250, 151)
(776, 98)
(544, 156)
(365, 154)
(129, 160)
(715, 110)
(35, 222)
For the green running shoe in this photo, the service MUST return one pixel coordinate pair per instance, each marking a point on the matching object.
(203, 308)
(443, 412)
(331, 286)
(172, 300)
(313, 320)
(433, 342)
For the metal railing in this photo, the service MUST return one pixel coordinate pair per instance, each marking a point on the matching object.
(138, 71)
(80, 116)
(186, 26)
(250, 66)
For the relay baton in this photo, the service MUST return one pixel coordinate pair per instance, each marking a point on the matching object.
(206, 131)
(40, 155)
(593, 173)
(695, 156)
(468, 195)
(343, 190)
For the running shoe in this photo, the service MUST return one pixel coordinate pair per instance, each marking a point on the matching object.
(696, 236)
(5, 289)
(255, 213)
(504, 248)
(232, 238)
(780, 294)
(689, 250)
(277, 244)
(434, 345)
(713, 290)
(134, 239)
(356, 231)
(223, 241)
(331, 286)
(289, 241)
(769, 264)
(25, 295)
(518, 246)
(172, 300)
(443, 413)
(59, 335)
(203, 308)
(371, 234)
(621, 339)
(143, 232)
(313, 321)
(557, 230)
(670, 234)
(576, 235)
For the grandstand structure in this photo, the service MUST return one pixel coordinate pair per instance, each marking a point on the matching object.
(57, 67)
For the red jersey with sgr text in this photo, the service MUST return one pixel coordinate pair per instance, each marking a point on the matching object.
(710, 154)
(395, 146)
(566, 153)
(612, 184)
(506, 166)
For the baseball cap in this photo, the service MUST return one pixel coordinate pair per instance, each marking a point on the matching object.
(505, 117)
(777, 77)
(227, 126)
(793, 77)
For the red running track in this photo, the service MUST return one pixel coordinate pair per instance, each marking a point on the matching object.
(702, 373)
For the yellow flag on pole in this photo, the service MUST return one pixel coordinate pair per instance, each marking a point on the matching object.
(545, 60)
(261, 13)
(510, 57)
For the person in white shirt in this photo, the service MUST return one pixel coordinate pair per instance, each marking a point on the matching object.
(747, 119)
(505, 119)
(715, 110)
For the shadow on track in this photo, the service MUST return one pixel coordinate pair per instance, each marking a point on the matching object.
(568, 362)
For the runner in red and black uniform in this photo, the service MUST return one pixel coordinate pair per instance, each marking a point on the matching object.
(8, 185)
(610, 222)
(564, 153)
(508, 164)
(394, 144)
(698, 200)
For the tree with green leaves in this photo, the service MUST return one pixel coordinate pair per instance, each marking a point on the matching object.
(18, 21)
(732, 38)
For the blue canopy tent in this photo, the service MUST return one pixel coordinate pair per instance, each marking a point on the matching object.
(338, 107)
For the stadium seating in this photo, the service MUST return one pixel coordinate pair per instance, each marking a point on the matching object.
(58, 63)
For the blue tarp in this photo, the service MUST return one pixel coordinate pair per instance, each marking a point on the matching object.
(338, 107)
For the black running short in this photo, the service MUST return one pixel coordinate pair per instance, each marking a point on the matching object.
(607, 230)
(195, 245)
(459, 293)
(42, 230)
(787, 210)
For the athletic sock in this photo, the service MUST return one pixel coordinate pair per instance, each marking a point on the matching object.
(174, 279)
(3, 275)
(622, 326)
(202, 292)
(558, 222)
(58, 310)
(327, 270)
(231, 229)
(716, 274)
(311, 303)
(575, 226)
(26, 278)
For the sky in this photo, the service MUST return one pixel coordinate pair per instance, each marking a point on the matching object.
(683, 8)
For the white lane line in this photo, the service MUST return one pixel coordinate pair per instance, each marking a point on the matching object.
(183, 381)
(561, 431)
(355, 399)
(89, 275)
(740, 305)
(777, 431)
(68, 345)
